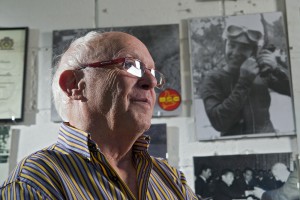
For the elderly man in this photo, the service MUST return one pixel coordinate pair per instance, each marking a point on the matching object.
(288, 191)
(104, 91)
(236, 97)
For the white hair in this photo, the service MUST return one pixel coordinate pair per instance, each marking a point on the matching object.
(81, 51)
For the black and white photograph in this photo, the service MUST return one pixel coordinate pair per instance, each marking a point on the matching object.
(241, 76)
(244, 176)
(5, 138)
(158, 140)
(162, 42)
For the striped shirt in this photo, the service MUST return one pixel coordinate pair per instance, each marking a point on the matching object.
(75, 168)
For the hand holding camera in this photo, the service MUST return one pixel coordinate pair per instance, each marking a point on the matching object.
(249, 69)
(267, 61)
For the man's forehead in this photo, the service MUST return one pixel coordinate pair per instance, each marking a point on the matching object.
(126, 45)
(228, 174)
(137, 53)
(248, 172)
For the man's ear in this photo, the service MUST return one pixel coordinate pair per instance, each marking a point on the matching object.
(72, 87)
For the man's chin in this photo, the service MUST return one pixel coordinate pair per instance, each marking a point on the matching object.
(141, 122)
(147, 127)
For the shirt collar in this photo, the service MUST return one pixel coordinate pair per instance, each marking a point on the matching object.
(74, 139)
(141, 144)
(203, 178)
(80, 141)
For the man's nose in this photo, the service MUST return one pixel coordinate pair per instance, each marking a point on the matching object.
(147, 81)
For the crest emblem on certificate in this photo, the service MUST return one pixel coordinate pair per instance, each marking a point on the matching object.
(6, 43)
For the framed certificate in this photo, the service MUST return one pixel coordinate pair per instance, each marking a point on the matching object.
(13, 54)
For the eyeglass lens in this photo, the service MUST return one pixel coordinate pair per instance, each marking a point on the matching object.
(137, 68)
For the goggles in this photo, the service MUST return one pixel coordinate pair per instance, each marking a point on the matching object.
(253, 35)
(133, 66)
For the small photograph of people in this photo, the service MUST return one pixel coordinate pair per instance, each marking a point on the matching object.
(246, 177)
(5, 151)
(241, 76)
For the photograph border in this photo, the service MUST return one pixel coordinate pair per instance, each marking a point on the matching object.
(23, 67)
(237, 163)
(205, 131)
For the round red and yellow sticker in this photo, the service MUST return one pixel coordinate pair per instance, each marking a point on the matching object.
(169, 99)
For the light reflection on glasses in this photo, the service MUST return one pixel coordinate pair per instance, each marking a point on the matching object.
(132, 66)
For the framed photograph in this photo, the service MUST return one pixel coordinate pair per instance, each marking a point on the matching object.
(241, 76)
(236, 176)
(157, 39)
(13, 54)
(158, 142)
(5, 141)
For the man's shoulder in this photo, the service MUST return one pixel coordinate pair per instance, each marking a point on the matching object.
(40, 161)
(217, 73)
(200, 180)
(217, 76)
(161, 162)
(37, 175)
(162, 166)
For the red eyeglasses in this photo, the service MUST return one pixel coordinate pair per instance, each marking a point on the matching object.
(133, 66)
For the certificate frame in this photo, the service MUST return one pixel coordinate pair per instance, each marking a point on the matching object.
(13, 61)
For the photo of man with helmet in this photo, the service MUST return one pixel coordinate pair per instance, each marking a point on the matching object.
(237, 96)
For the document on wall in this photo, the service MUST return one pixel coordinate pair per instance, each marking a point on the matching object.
(12, 69)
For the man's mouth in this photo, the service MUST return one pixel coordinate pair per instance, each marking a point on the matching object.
(141, 100)
(145, 100)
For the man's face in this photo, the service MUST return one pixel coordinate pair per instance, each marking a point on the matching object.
(248, 175)
(228, 178)
(121, 100)
(278, 172)
(236, 53)
(206, 173)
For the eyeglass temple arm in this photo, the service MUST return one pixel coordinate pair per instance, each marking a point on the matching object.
(106, 63)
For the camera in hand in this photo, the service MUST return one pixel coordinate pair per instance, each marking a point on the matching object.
(265, 70)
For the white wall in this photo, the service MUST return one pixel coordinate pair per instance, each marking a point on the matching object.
(42, 17)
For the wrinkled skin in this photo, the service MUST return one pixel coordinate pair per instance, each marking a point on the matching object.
(116, 102)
